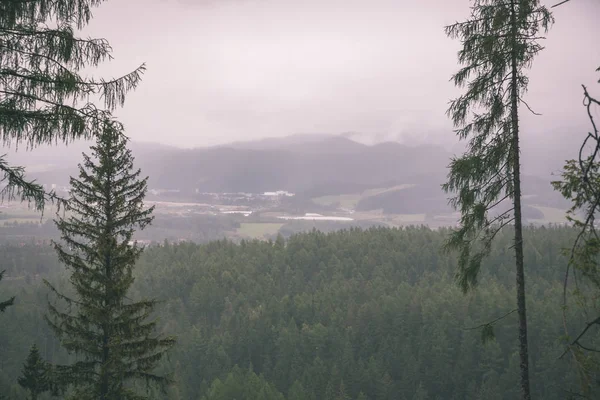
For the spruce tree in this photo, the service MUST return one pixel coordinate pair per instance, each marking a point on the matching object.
(44, 99)
(111, 333)
(35, 375)
(499, 42)
(361, 396)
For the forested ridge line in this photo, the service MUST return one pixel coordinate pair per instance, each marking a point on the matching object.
(356, 314)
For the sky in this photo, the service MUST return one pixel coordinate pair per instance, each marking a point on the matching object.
(229, 70)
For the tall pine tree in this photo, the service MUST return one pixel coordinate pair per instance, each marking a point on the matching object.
(35, 375)
(44, 99)
(111, 334)
(499, 42)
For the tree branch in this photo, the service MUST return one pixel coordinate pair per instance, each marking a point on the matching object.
(491, 322)
(560, 4)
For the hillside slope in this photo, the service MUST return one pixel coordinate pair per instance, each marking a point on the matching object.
(309, 165)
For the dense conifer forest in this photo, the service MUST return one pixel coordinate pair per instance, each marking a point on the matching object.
(357, 314)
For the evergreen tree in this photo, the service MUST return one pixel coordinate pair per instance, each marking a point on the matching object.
(342, 394)
(35, 376)
(109, 331)
(421, 393)
(241, 384)
(43, 97)
(5, 303)
(298, 392)
(499, 42)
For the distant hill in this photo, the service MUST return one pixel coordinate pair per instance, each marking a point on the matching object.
(303, 143)
(294, 165)
(309, 165)
(428, 198)
(299, 163)
(279, 143)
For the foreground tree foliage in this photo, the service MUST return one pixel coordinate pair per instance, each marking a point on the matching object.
(499, 42)
(112, 334)
(44, 99)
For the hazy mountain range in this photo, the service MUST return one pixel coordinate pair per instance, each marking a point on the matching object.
(310, 165)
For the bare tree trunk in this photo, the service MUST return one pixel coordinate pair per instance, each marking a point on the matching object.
(518, 244)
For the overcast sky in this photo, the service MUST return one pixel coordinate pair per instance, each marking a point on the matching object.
(226, 70)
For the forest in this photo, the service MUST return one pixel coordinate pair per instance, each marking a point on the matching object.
(356, 314)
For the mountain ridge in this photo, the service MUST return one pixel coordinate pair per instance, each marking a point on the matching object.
(305, 164)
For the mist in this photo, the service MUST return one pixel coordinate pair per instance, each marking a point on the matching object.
(242, 70)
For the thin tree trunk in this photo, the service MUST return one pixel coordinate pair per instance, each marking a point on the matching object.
(516, 167)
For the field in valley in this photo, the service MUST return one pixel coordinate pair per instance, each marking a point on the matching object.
(258, 230)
